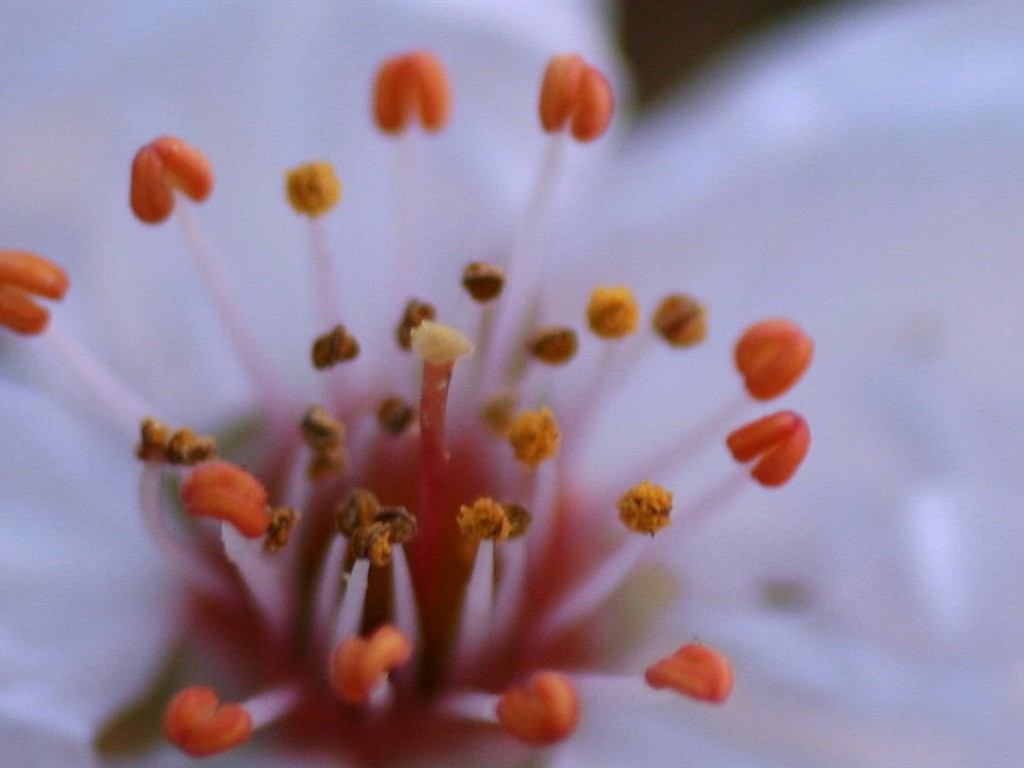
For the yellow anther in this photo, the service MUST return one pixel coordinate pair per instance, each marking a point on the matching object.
(681, 321)
(554, 346)
(485, 519)
(613, 312)
(186, 447)
(335, 346)
(153, 438)
(282, 521)
(439, 344)
(483, 281)
(313, 189)
(415, 313)
(534, 436)
(645, 508)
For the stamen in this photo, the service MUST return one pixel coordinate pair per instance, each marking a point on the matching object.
(694, 670)
(335, 346)
(574, 90)
(772, 355)
(613, 312)
(282, 521)
(160, 167)
(483, 281)
(681, 321)
(544, 711)
(357, 510)
(535, 437)
(498, 413)
(359, 666)
(188, 448)
(313, 189)
(325, 436)
(645, 508)
(371, 529)
(153, 439)
(410, 85)
(395, 415)
(415, 313)
(485, 519)
(227, 492)
(198, 724)
(22, 276)
(781, 440)
(554, 346)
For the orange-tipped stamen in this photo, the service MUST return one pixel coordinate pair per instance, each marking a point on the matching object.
(24, 275)
(576, 93)
(646, 508)
(160, 167)
(696, 671)
(411, 85)
(544, 711)
(359, 666)
(197, 723)
(535, 437)
(781, 440)
(772, 355)
(227, 492)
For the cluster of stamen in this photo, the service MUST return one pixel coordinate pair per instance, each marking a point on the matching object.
(366, 554)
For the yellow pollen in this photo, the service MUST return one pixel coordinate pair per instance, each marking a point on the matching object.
(554, 346)
(439, 344)
(154, 436)
(499, 411)
(485, 519)
(681, 321)
(282, 521)
(613, 312)
(534, 436)
(182, 446)
(395, 415)
(313, 189)
(415, 313)
(483, 281)
(645, 508)
(335, 346)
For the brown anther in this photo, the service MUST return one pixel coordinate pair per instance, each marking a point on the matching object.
(335, 346)
(772, 355)
(23, 276)
(696, 671)
(781, 440)
(324, 435)
(519, 519)
(282, 521)
(188, 448)
(313, 189)
(395, 415)
(228, 493)
(499, 412)
(359, 666)
(534, 436)
(483, 281)
(645, 508)
(613, 312)
(357, 510)
(400, 521)
(576, 93)
(415, 313)
(153, 438)
(543, 711)
(485, 519)
(554, 346)
(414, 84)
(681, 321)
(372, 542)
(199, 725)
(161, 167)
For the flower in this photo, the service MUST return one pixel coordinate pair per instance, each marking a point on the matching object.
(838, 618)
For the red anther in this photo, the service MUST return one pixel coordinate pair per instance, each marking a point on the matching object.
(197, 723)
(544, 711)
(781, 440)
(22, 276)
(227, 492)
(576, 93)
(772, 355)
(161, 166)
(694, 670)
(409, 84)
(359, 665)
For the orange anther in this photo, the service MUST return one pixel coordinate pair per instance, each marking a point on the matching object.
(197, 723)
(694, 670)
(544, 711)
(227, 492)
(414, 83)
(576, 93)
(359, 665)
(161, 166)
(781, 440)
(24, 275)
(772, 355)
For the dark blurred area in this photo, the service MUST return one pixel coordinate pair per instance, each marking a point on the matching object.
(670, 41)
